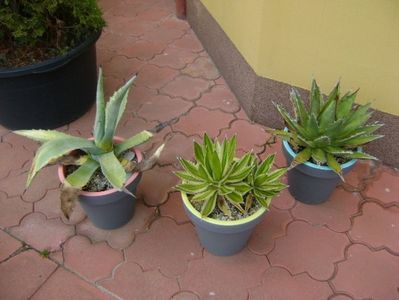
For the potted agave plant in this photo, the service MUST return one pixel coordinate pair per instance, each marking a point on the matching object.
(43, 45)
(224, 196)
(324, 141)
(102, 172)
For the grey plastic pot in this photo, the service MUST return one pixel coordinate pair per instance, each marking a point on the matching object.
(222, 238)
(310, 183)
(109, 209)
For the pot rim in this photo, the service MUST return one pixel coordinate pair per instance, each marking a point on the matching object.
(51, 63)
(312, 165)
(197, 214)
(139, 155)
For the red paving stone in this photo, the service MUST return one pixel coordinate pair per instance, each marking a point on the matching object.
(45, 180)
(163, 179)
(163, 108)
(92, 261)
(384, 187)
(220, 97)
(273, 226)
(377, 227)
(185, 295)
(122, 237)
(354, 180)
(146, 285)
(155, 77)
(166, 36)
(14, 184)
(335, 213)
(42, 233)
(367, 274)
(186, 87)
(143, 50)
(202, 67)
(113, 42)
(175, 58)
(200, 120)
(316, 250)
(278, 283)
(19, 155)
(22, 275)
(249, 136)
(344, 249)
(12, 210)
(122, 67)
(224, 277)
(8, 245)
(169, 245)
(174, 208)
(189, 42)
(64, 285)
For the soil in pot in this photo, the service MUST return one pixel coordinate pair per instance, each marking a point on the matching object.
(236, 214)
(106, 207)
(98, 182)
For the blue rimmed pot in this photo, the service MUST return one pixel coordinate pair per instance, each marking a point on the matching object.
(222, 238)
(310, 183)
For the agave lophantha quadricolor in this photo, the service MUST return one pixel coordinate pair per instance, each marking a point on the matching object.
(218, 177)
(101, 152)
(328, 129)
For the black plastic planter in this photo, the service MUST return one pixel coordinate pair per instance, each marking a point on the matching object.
(222, 238)
(51, 93)
(310, 183)
(109, 209)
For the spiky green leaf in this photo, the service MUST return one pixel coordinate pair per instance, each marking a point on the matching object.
(42, 136)
(300, 109)
(99, 122)
(193, 187)
(302, 156)
(334, 165)
(235, 197)
(199, 153)
(113, 113)
(112, 169)
(202, 196)
(315, 99)
(54, 149)
(319, 156)
(345, 104)
(359, 155)
(81, 176)
(133, 141)
(209, 205)
(265, 166)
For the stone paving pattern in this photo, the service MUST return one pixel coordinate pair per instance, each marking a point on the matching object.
(347, 248)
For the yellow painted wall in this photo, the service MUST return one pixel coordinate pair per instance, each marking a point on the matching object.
(293, 41)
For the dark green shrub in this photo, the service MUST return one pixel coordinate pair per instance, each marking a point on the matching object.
(34, 30)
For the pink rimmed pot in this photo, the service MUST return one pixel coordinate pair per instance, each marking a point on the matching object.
(112, 208)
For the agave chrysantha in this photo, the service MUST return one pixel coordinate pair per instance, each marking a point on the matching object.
(101, 152)
(218, 177)
(329, 128)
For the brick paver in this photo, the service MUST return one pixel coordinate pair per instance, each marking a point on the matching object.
(346, 248)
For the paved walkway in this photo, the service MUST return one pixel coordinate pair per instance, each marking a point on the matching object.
(347, 248)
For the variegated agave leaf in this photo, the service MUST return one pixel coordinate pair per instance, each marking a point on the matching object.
(217, 178)
(325, 126)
